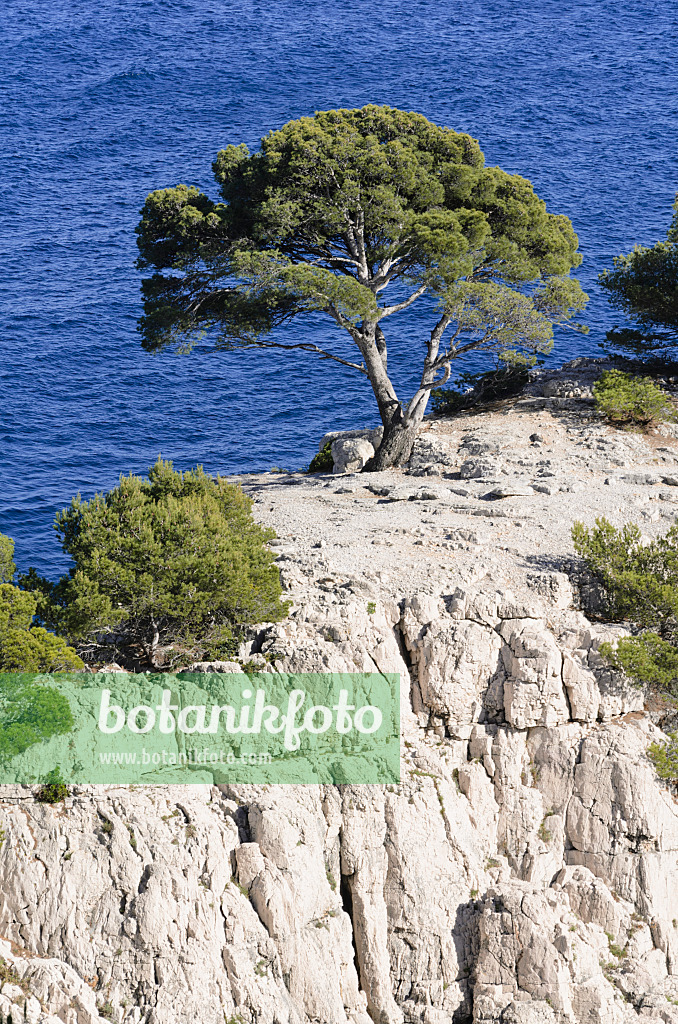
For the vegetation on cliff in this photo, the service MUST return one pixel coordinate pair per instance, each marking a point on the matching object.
(23, 646)
(643, 284)
(166, 571)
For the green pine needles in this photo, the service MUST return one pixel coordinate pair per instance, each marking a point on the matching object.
(643, 285)
(24, 647)
(640, 580)
(167, 571)
(631, 401)
(641, 584)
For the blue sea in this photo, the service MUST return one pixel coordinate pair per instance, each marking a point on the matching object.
(103, 102)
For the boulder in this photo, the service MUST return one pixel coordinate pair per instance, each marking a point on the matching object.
(350, 454)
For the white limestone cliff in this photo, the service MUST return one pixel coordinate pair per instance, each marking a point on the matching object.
(525, 870)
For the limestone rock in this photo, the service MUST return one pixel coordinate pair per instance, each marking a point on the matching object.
(349, 455)
(524, 870)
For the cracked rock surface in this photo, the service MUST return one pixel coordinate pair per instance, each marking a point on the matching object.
(525, 870)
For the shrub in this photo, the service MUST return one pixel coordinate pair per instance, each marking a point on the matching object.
(27, 648)
(166, 570)
(646, 659)
(477, 388)
(322, 461)
(640, 580)
(641, 585)
(54, 789)
(7, 566)
(625, 399)
(664, 757)
(30, 712)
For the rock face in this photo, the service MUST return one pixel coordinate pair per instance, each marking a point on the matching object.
(525, 870)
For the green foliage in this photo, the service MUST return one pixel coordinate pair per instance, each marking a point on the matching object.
(7, 566)
(544, 832)
(8, 975)
(643, 284)
(640, 580)
(625, 399)
(646, 659)
(358, 214)
(616, 950)
(322, 462)
(166, 570)
(664, 757)
(641, 584)
(30, 712)
(476, 388)
(28, 648)
(54, 789)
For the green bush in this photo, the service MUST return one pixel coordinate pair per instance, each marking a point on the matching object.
(625, 399)
(28, 648)
(166, 570)
(640, 580)
(7, 566)
(477, 388)
(30, 712)
(645, 659)
(322, 462)
(664, 757)
(54, 789)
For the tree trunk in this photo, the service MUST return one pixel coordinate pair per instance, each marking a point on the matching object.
(400, 428)
(395, 448)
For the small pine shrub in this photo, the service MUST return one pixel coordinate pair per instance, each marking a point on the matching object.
(54, 789)
(645, 659)
(664, 757)
(628, 400)
(640, 580)
(167, 571)
(641, 584)
(322, 461)
(24, 647)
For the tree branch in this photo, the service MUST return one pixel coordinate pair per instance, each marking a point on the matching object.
(307, 347)
(389, 310)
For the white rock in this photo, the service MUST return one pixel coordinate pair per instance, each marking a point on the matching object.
(350, 455)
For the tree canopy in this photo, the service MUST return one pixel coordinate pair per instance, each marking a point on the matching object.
(359, 214)
(643, 284)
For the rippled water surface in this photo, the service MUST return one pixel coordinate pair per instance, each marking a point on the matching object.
(104, 101)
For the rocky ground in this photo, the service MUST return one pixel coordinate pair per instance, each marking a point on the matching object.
(526, 868)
